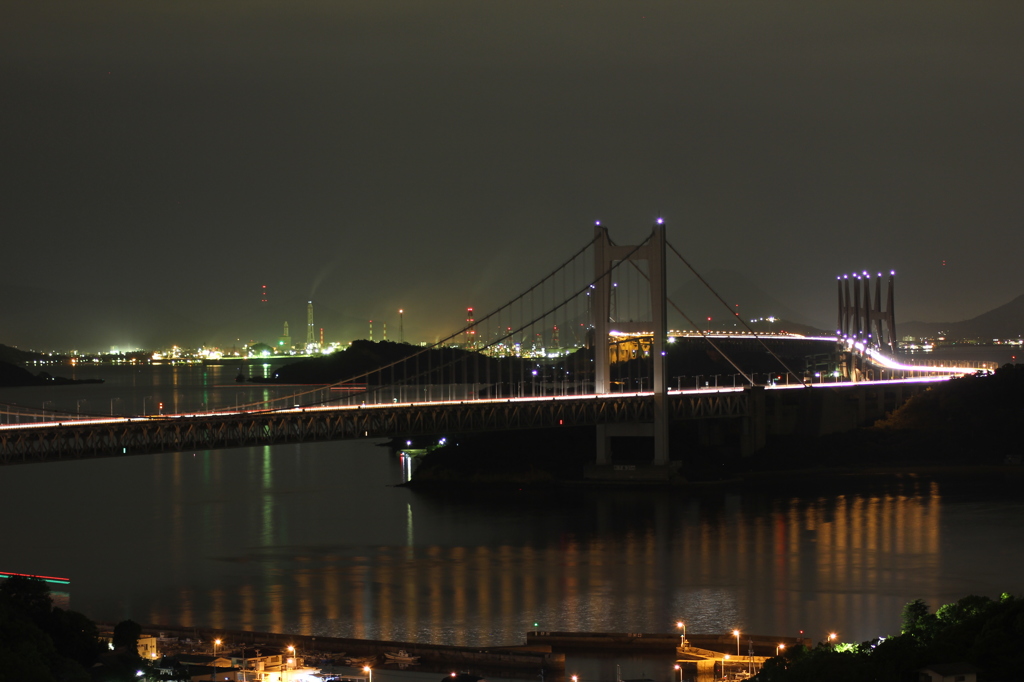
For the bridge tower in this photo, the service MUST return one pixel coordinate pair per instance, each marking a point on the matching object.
(861, 318)
(606, 255)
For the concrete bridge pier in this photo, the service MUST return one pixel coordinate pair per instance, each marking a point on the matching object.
(605, 469)
(605, 432)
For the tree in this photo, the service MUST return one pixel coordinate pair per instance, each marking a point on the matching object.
(917, 621)
(38, 642)
(27, 596)
(963, 609)
(126, 635)
(74, 636)
(26, 653)
(986, 633)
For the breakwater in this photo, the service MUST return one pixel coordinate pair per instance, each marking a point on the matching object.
(502, 661)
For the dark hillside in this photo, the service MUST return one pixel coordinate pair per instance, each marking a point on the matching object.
(1003, 322)
(12, 375)
(976, 420)
(16, 355)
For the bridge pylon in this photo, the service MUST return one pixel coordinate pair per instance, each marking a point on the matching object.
(606, 256)
(863, 320)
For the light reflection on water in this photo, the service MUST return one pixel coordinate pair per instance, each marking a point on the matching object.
(312, 539)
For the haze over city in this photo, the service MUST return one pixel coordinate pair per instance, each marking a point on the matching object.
(164, 161)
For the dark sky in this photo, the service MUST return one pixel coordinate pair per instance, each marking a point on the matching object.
(167, 158)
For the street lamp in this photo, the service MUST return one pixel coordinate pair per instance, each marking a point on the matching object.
(832, 638)
(682, 642)
(778, 648)
(401, 325)
(216, 643)
(680, 669)
(736, 634)
(291, 650)
(369, 673)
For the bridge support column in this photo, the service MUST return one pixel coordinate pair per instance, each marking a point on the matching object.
(656, 264)
(606, 256)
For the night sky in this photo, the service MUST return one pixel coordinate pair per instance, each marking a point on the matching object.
(163, 160)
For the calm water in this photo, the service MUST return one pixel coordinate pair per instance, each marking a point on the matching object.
(315, 539)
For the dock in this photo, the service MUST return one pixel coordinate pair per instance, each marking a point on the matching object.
(515, 661)
(701, 656)
(716, 643)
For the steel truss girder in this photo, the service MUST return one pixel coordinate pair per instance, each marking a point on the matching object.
(78, 440)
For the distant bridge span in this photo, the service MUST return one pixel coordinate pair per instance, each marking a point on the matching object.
(78, 439)
(620, 297)
(754, 414)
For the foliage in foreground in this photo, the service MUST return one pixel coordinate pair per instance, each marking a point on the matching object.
(985, 633)
(42, 643)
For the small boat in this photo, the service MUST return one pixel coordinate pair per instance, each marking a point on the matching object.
(401, 656)
(359, 662)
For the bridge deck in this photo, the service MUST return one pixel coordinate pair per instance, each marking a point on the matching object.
(127, 436)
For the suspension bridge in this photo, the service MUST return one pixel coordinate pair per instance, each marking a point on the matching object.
(596, 343)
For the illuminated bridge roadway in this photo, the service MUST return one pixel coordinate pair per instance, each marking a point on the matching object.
(757, 411)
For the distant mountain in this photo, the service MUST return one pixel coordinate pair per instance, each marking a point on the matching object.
(698, 303)
(1004, 322)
